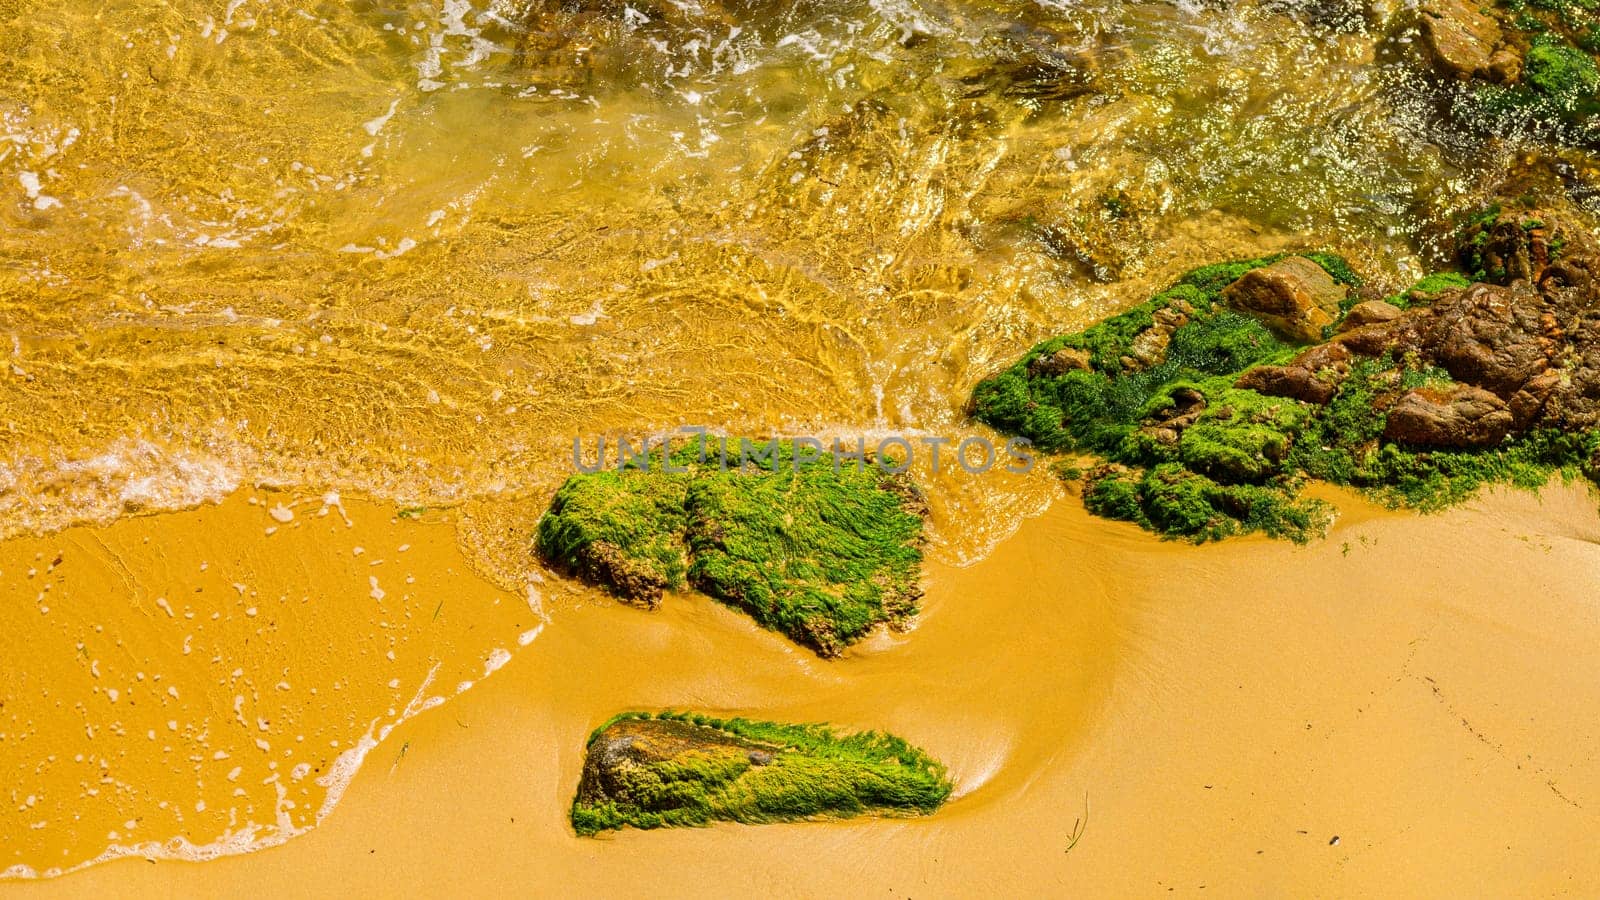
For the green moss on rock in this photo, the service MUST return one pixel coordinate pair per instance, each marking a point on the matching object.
(818, 552)
(1098, 408)
(1220, 436)
(1561, 73)
(670, 769)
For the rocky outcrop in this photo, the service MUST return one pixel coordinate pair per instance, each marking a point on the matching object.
(1461, 417)
(1422, 397)
(755, 525)
(650, 771)
(1294, 297)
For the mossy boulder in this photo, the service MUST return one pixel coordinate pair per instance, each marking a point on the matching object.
(819, 551)
(1421, 399)
(656, 770)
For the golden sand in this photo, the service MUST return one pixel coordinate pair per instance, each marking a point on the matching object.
(1406, 708)
(208, 682)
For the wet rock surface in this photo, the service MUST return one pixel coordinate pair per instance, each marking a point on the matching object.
(1463, 416)
(1521, 67)
(819, 552)
(1458, 38)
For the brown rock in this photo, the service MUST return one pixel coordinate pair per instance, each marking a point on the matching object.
(1314, 376)
(1060, 362)
(1334, 356)
(1376, 339)
(1528, 403)
(1368, 313)
(1460, 418)
(1505, 66)
(1289, 381)
(1459, 39)
(1489, 336)
(1149, 347)
(1294, 297)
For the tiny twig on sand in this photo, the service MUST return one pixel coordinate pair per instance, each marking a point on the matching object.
(1079, 826)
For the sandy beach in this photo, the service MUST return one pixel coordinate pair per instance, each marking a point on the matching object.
(310, 313)
(1404, 708)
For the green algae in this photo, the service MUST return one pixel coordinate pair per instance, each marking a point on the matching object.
(1425, 289)
(1240, 462)
(676, 769)
(818, 551)
(1098, 410)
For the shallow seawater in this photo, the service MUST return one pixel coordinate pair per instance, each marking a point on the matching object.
(411, 251)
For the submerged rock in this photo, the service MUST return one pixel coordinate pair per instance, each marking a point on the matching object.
(651, 771)
(1517, 66)
(1459, 39)
(1421, 397)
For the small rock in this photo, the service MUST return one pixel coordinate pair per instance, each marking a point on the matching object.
(1149, 347)
(1290, 381)
(1368, 313)
(1294, 296)
(1060, 362)
(1459, 40)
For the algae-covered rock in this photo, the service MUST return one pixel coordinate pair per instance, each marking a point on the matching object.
(1511, 243)
(818, 551)
(1421, 398)
(652, 771)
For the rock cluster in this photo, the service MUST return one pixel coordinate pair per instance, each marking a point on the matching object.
(1523, 355)
(1211, 403)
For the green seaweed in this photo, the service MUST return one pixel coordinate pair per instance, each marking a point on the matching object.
(755, 772)
(1426, 289)
(1560, 72)
(817, 551)
(1238, 463)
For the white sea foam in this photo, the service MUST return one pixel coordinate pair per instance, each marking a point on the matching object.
(130, 476)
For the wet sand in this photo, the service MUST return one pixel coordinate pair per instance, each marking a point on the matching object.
(1409, 707)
